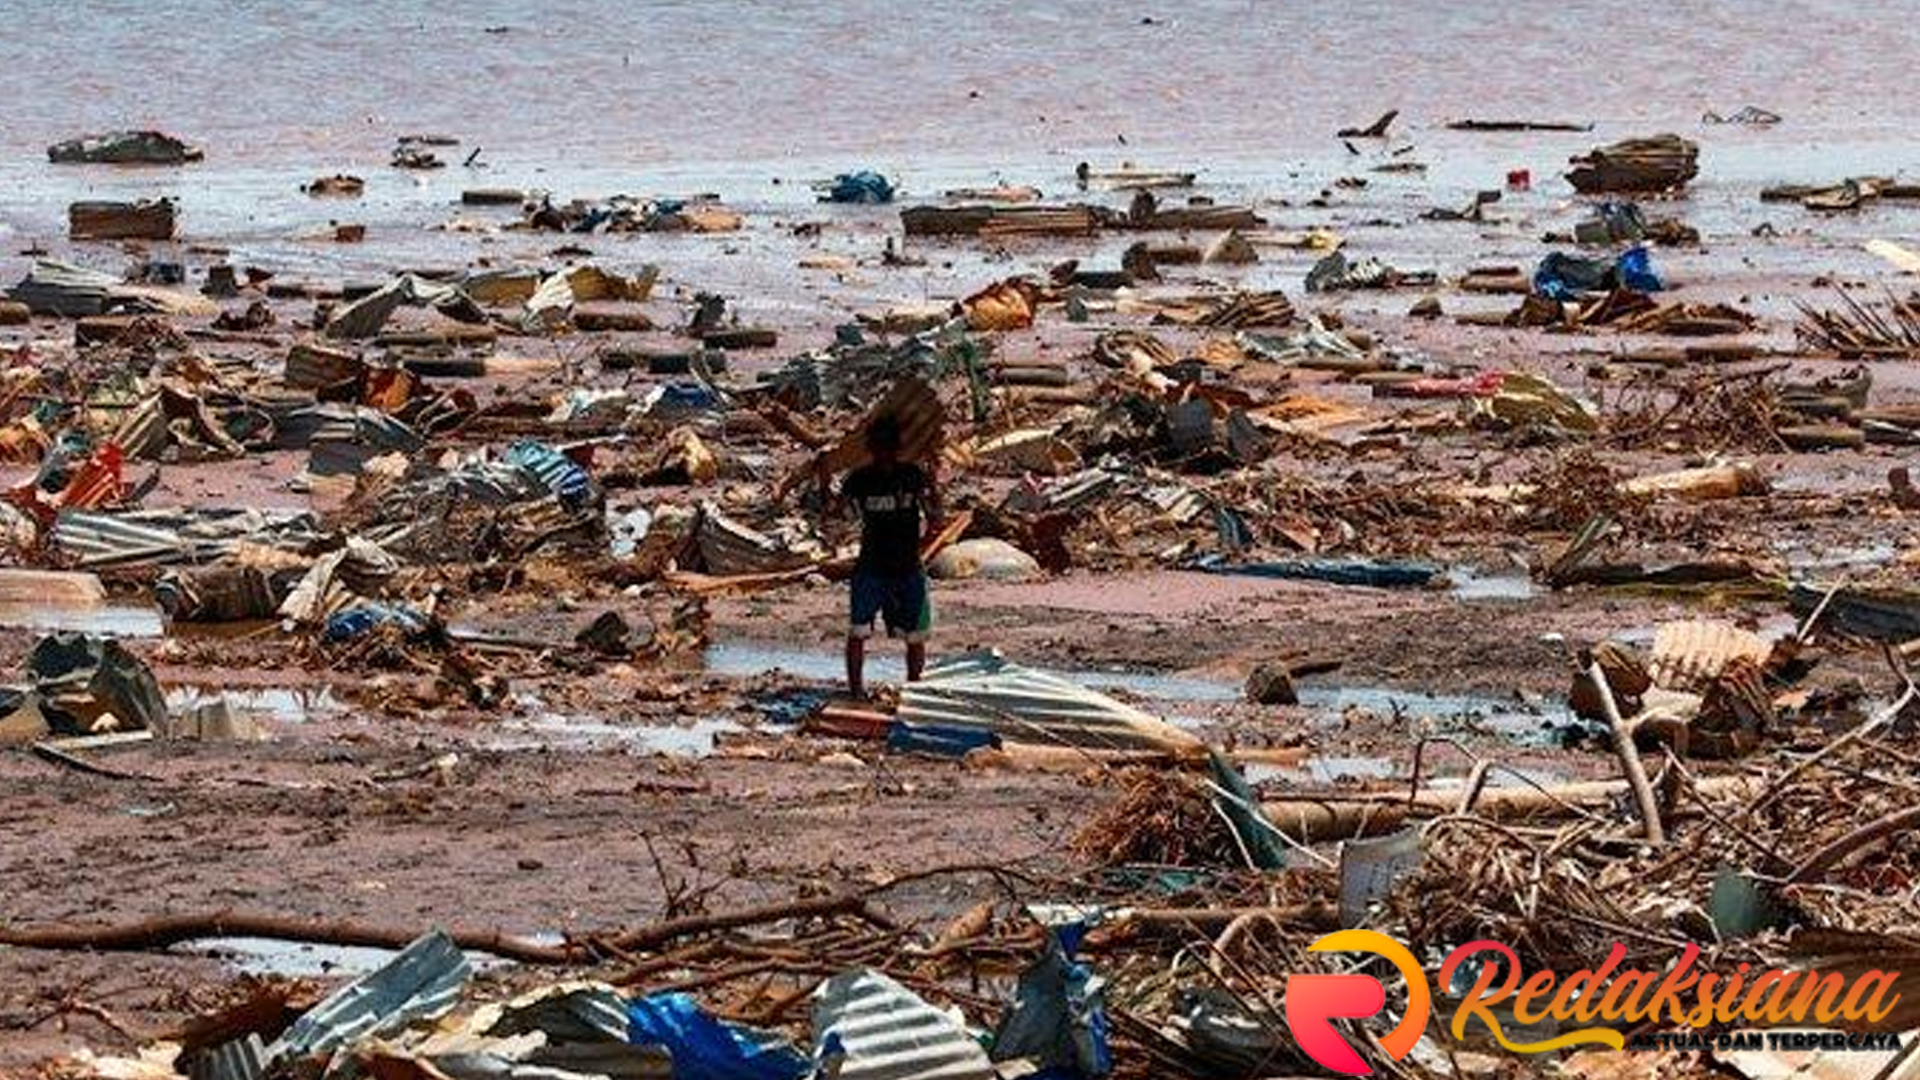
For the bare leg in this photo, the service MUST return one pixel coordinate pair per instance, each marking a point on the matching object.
(916, 659)
(856, 665)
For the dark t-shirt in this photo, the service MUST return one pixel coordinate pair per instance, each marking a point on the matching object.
(889, 501)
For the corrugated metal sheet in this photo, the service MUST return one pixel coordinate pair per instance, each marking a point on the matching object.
(142, 433)
(567, 1012)
(1065, 493)
(161, 537)
(887, 1033)
(342, 444)
(984, 691)
(728, 547)
(1177, 501)
(244, 1058)
(423, 981)
(561, 474)
(1690, 655)
(58, 288)
(111, 539)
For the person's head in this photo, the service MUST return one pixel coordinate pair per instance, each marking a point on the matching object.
(883, 439)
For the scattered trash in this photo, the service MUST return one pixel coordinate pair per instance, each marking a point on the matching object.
(89, 685)
(1566, 277)
(1748, 114)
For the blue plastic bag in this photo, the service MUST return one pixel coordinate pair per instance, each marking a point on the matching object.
(704, 1048)
(1634, 270)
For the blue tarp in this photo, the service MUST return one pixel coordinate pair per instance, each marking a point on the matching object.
(354, 621)
(865, 186)
(704, 1048)
(1563, 277)
(1058, 1019)
(938, 739)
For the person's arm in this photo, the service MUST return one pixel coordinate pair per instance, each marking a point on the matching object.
(936, 511)
(832, 496)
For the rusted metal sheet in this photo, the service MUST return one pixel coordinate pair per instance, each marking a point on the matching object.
(1690, 655)
(244, 1058)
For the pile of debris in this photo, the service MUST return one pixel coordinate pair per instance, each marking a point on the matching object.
(1658, 164)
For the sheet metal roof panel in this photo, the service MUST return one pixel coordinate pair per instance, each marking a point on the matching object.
(422, 981)
(888, 1033)
(985, 691)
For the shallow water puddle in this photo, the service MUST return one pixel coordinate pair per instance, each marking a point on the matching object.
(1514, 719)
(281, 704)
(1321, 770)
(744, 658)
(107, 620)
(294, 959)
(299, 959)
(554, 731)
(1508, 716)
(1472, 584)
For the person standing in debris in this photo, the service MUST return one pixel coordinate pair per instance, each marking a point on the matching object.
(896, 500)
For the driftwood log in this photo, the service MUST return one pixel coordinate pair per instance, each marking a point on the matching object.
(164, 931)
